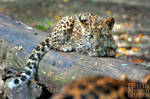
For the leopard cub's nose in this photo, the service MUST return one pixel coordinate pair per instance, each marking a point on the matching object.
(96, 44)
(114, 46)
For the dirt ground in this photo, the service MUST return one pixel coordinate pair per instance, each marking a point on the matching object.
(131, 30)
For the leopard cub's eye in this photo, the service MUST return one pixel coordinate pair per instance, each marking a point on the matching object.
(90, 36)
(102, 36)
(84, 20)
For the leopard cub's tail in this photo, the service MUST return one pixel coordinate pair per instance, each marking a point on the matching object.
(31, 65)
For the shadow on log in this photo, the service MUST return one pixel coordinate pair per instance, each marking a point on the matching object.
(17, 41)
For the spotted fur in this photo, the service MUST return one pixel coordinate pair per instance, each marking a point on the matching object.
(87, 33)
(106, 88)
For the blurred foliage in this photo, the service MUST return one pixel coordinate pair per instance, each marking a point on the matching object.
(94, 1)
(44, 27)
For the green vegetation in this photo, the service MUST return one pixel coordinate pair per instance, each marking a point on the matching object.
(44, 27)
(94, 1)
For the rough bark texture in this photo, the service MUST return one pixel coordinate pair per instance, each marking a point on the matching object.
(57, 68)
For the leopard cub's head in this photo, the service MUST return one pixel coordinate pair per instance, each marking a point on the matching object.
(96, 35)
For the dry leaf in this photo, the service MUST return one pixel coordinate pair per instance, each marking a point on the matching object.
(81, 58)
(140, 35)
(108, 12)
(136, 40)
(56, 17)
(65, 0)
(126, 53)
(134, 49)
(122, 49)
(137, 60)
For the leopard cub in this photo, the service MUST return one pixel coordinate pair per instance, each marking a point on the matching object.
(85, 32)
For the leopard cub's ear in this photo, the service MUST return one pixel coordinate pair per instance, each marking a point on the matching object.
(110, 22)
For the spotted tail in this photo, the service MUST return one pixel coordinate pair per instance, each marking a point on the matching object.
(32, 64)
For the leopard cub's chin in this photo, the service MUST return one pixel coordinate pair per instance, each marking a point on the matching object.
(96, 53)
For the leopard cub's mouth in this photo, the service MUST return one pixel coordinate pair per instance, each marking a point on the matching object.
(102, 52)
(96, 53)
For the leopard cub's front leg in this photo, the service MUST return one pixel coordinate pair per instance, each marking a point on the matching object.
(62, 35)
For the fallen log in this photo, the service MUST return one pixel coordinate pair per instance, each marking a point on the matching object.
(56, 69)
